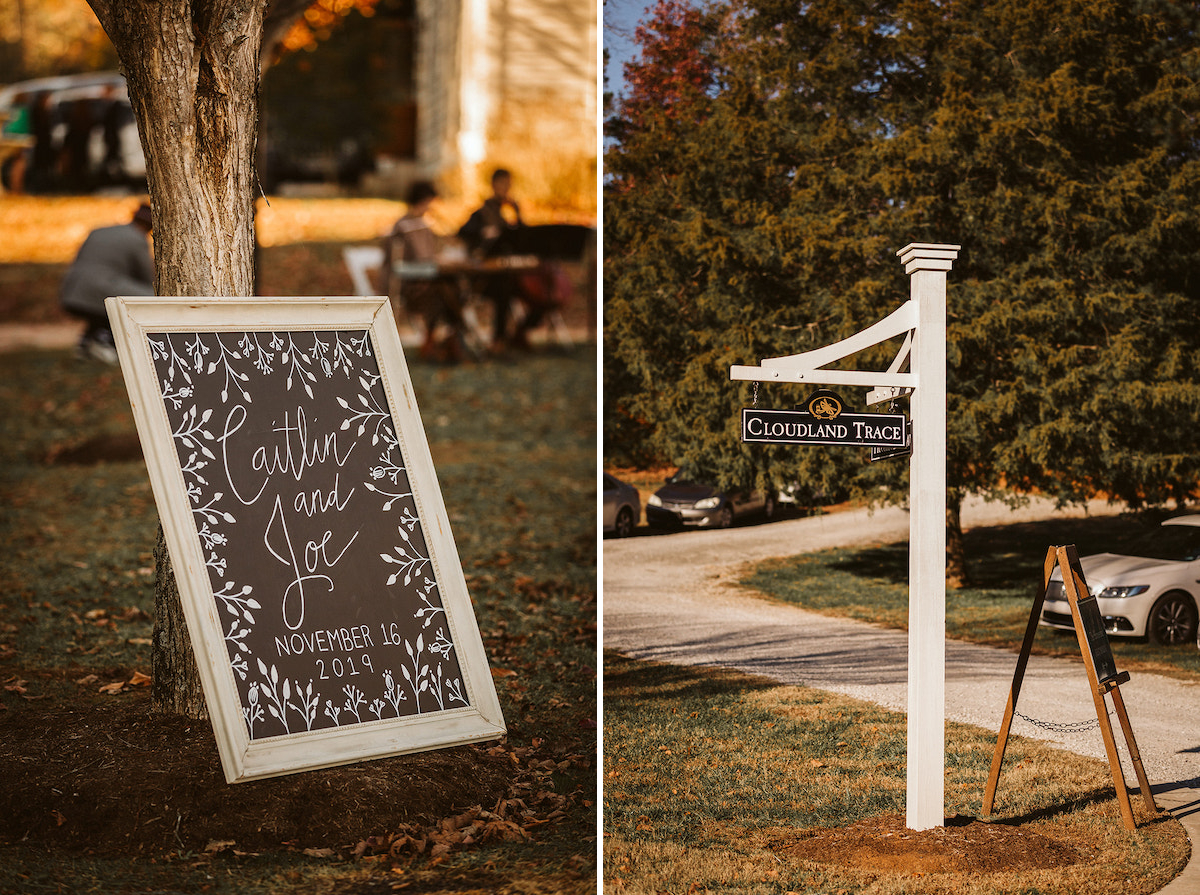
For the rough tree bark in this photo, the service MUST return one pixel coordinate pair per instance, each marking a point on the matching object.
(192, 68)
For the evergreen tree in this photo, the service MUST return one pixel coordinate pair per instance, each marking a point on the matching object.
(1056, 140)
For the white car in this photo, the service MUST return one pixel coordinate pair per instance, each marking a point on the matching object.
(622, 507)
(1152, 590)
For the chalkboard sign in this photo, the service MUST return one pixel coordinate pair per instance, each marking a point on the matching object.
(319, 578)
(1097, 638)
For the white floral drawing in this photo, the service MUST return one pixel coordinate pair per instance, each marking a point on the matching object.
(332, 711)
(196, 352)
(176, 397)
(298, 363)
(389, 469)
(409, 563)
(354, 698)
(393, 692)
(232, 376)
(307, 704)
(278, 696)
(430, 610)
(252, 712)
(191, 431)
(165, 350)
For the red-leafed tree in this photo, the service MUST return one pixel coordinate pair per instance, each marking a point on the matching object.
(674, 73)
(667, 96)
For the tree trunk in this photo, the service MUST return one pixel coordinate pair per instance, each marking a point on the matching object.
(175, 688)
(956, 557)
(192, 70)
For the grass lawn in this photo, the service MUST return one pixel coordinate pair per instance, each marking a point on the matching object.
(715, 781)
(85, 804)
(1005, 564)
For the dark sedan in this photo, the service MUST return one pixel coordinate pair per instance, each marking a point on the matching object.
(682, 501)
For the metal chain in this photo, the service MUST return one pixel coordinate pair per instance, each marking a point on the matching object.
(755, 394)
(1062, 727)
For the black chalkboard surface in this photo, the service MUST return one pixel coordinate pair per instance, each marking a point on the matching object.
(320, 554)
(1097, 639)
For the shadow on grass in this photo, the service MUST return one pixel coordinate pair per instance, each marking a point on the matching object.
(1059, 808)
(999, 555)
(627, 677)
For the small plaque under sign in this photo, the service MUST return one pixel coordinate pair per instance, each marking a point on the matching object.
(891, 453)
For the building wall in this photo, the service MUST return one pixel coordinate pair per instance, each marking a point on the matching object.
(508, 83)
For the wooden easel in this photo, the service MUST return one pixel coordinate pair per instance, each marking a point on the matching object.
(1102, 676)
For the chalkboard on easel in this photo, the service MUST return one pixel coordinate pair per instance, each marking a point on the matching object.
(1103, 678)
(320, 580)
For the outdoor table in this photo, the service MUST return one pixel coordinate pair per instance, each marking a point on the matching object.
(466, 276)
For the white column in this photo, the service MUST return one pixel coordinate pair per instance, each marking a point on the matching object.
(927, 265)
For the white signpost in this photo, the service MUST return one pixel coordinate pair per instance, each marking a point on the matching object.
(922, 320)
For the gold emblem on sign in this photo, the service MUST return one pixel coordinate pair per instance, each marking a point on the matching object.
(825, 407)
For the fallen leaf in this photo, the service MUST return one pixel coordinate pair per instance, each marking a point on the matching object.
(14, 685)
(88, 679)
(59, 819)
(139, 679)
(218, 845)
(114, 687)
(319, 852)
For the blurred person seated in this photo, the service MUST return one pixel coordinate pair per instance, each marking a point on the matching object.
(112, 261)
(411, 281)
(488, 233)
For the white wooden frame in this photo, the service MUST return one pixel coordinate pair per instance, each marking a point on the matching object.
(922, 319)
(242, 757)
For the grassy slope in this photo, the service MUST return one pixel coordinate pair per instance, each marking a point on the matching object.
(707, 772)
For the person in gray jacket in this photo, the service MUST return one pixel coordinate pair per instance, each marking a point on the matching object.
(112, 261)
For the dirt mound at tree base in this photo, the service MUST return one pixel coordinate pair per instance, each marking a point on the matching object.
(111, 777)
(964, 845)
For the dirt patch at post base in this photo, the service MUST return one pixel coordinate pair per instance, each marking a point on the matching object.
(108, 776)
(965, 844)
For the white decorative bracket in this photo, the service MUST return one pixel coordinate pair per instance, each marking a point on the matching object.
(806, 367)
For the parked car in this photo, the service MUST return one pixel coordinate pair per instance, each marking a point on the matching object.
(82, 131)
(1150, 590)
(622, 507)
(685, 501)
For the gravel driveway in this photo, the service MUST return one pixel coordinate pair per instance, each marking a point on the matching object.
(674, 598)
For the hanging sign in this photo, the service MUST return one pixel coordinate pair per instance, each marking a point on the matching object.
(319, 578)
(884, 430)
